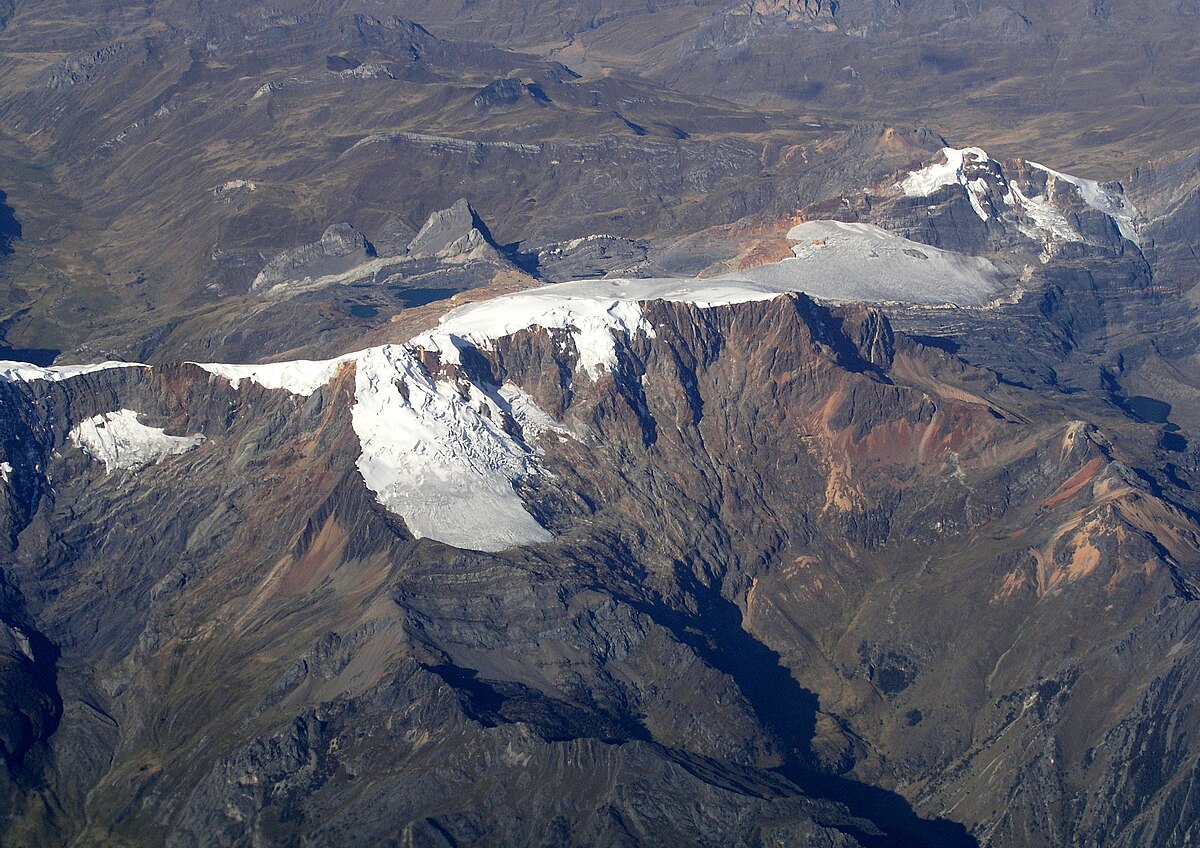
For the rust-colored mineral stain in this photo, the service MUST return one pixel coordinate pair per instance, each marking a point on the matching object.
(1013, 582)
(765, 252)
(1074, 484)
(318, 562)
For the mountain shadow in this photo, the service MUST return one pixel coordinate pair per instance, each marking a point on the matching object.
(10, 227)
(789, 711)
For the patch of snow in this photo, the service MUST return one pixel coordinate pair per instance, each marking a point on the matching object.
(1110, 202)
(929, 179)
(442, 143)
(435, 452)
(860, 262)
(1049, 224)
(24, 372)
(267, 88)
(300, 377)
(120, 441)
(6, 471)
(977, 193)
(531, 418)
(371, 70)
(234, 185)
(559, 248)
(23, 643)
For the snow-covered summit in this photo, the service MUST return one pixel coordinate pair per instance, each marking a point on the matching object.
(961, 167)
(447, 452)
(1030, 205)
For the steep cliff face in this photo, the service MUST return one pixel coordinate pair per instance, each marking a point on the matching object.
(748, 564)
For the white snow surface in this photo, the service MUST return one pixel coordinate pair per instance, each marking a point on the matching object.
(929, 179)
(24, 372)
(300, 377)
(860, 262)
(6, 470)
(436, 453)
(122, 442)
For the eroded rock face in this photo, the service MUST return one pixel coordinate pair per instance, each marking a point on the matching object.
(592, 256)
(455, 234)
(340, 249)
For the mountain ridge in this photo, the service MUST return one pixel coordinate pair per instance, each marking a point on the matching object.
(484, 424)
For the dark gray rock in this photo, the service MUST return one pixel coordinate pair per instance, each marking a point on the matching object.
(453, 235)
(340, 249)
(591, 256)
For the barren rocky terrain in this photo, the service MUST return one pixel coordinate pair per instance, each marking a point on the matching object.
(619, 423)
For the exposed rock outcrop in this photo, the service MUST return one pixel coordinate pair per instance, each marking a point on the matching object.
(592, 256)
(340, 249)
(453, 235)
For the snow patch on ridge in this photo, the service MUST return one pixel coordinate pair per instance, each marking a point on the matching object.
(300, 377)
(977, 193)
(436, 453)
(120, 441)
(24, 372)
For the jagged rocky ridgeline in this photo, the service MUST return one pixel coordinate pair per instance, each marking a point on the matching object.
(446, 439)
(446, 449)
(343, 256)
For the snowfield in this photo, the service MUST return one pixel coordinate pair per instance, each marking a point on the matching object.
(861, 262)
(123, 443)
